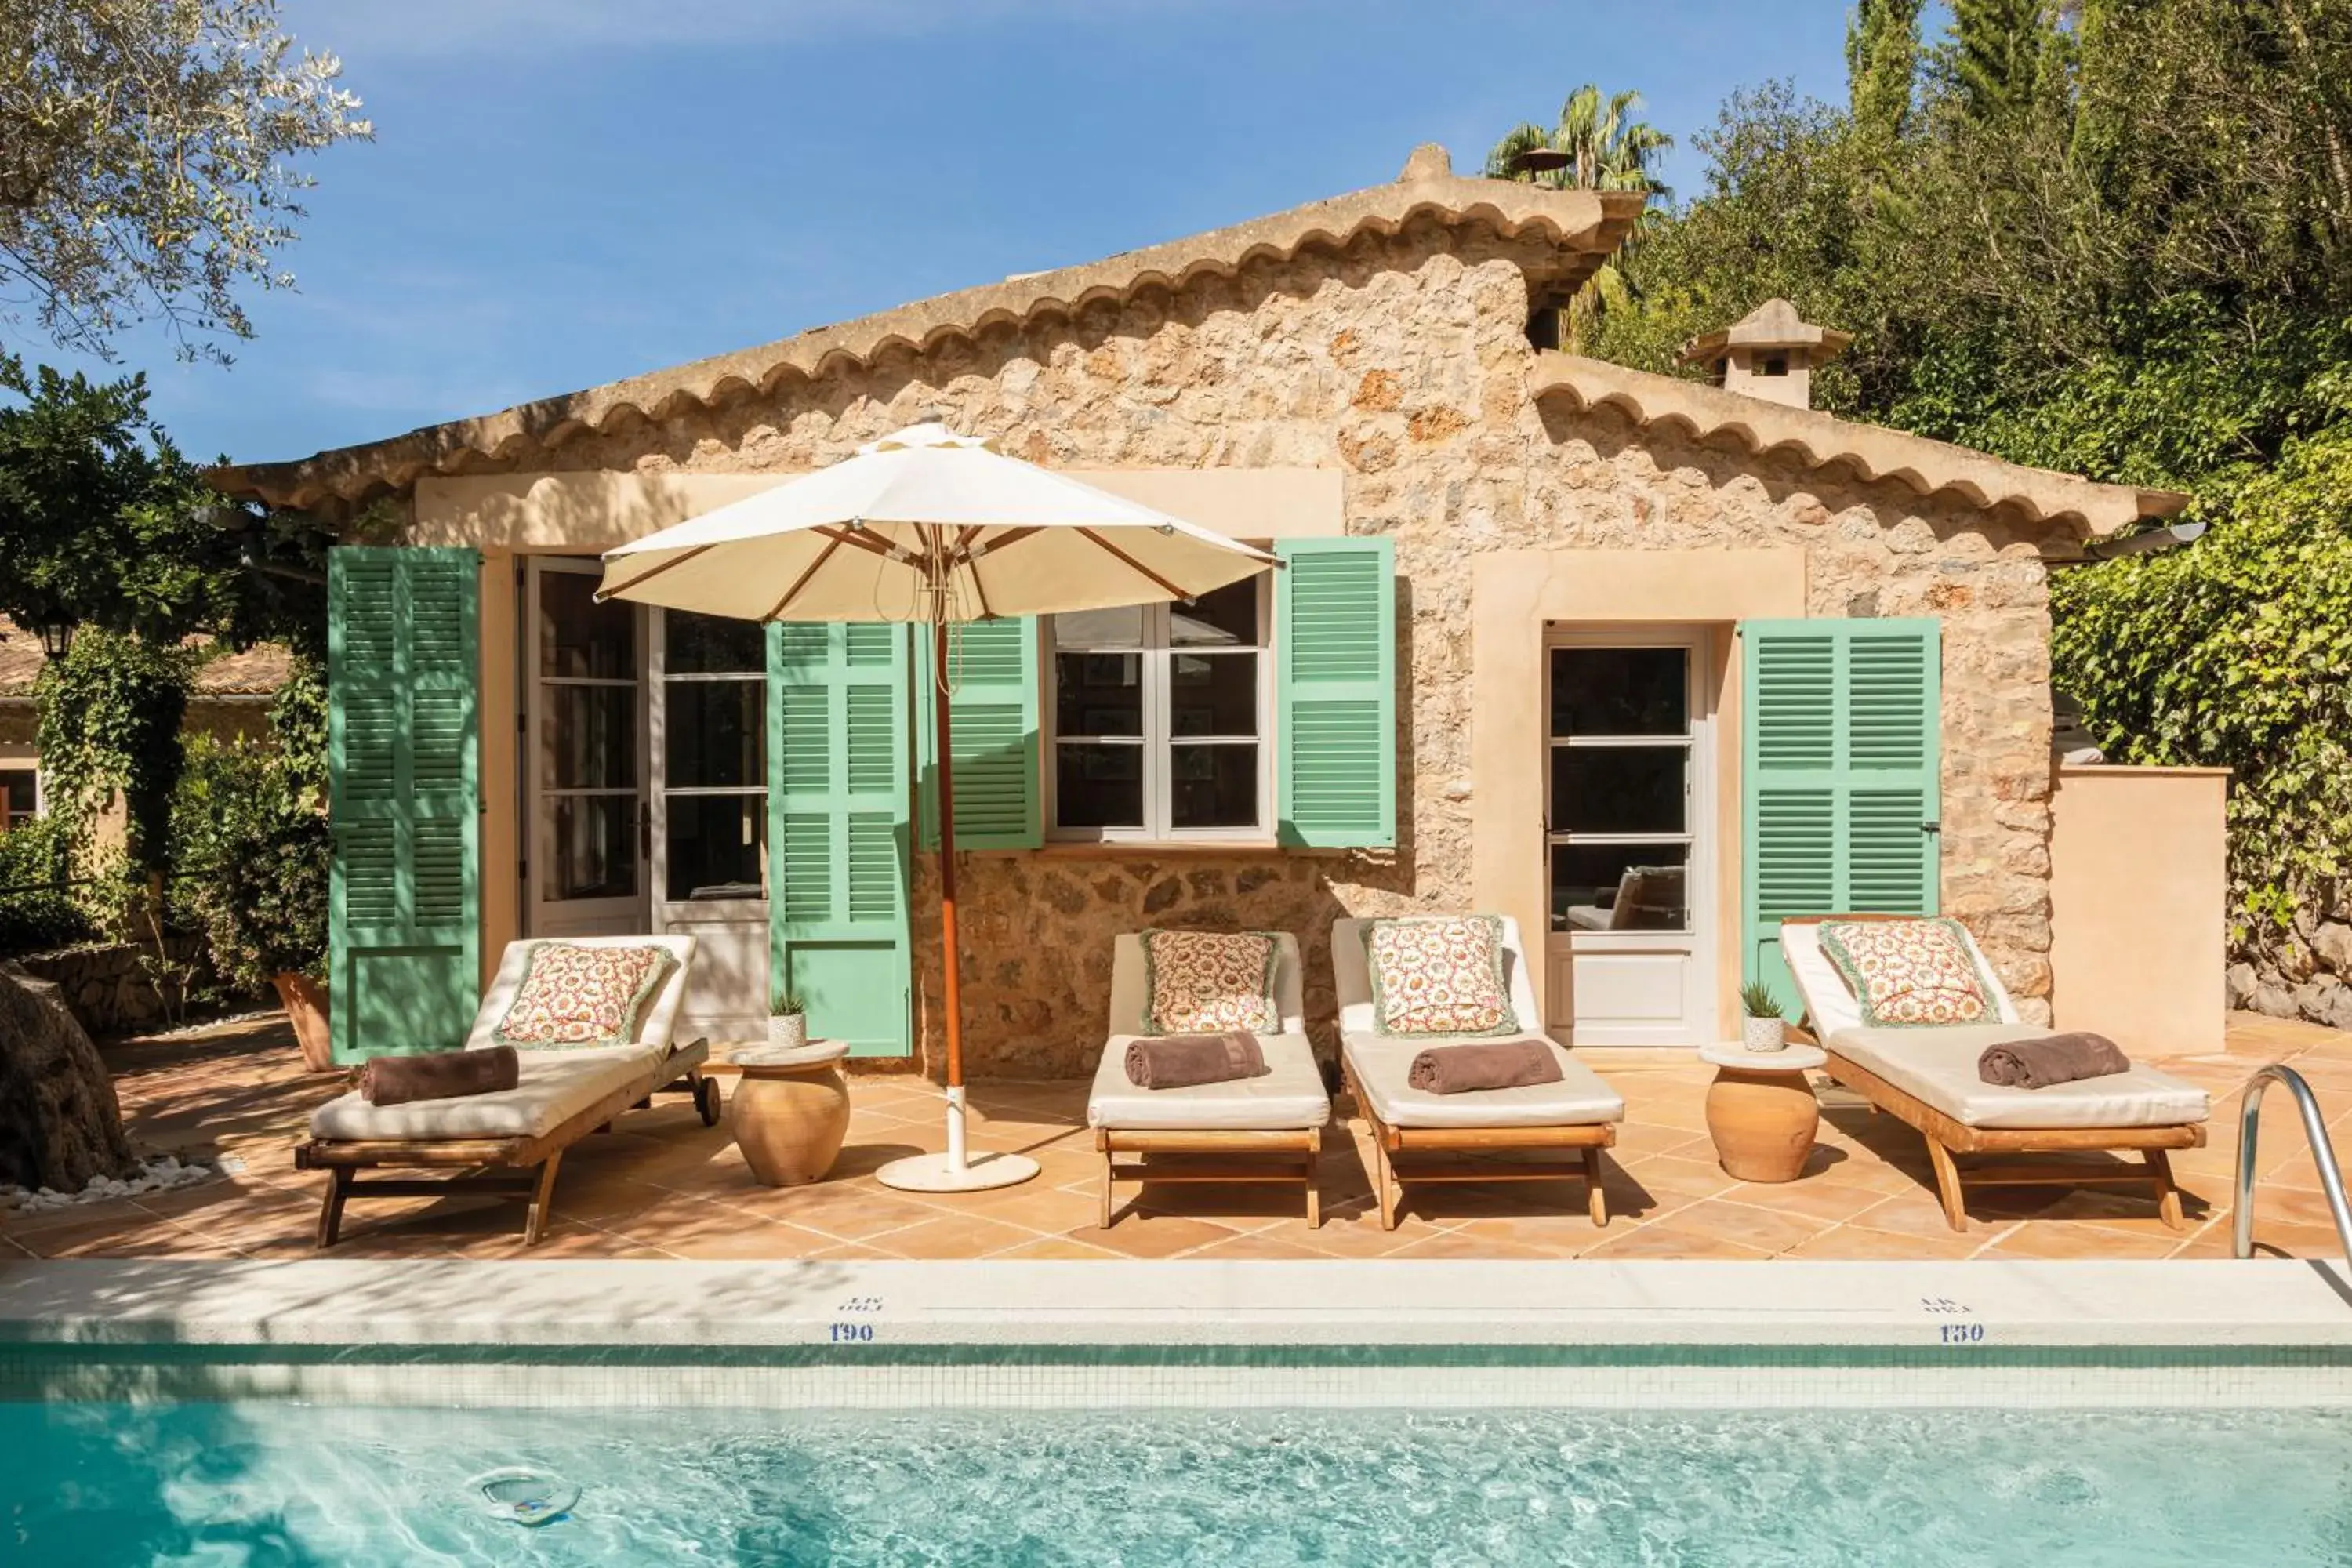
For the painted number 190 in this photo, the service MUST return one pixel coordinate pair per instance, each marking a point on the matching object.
(853, 1333)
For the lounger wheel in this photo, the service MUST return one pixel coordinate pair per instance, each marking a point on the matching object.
(707, 1101)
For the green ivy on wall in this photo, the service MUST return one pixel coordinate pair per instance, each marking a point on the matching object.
(110, 720)
(2236, 652)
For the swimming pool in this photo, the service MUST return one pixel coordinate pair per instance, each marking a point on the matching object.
(102, 1485)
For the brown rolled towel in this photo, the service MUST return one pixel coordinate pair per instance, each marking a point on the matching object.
(1483, 1064)
(443, 1075)
(1179, 1061)
(2052, 1060)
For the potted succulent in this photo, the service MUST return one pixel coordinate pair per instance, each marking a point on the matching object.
(1761, 1026)
(787, 1019)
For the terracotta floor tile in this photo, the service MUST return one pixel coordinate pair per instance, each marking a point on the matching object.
(1154, 1235)
(1764, 1229)
(843, 1212)
(1666, 1238)
(2062, 1238)
(745, 1237)
(122, 1237)
(1068, 1247)
(662, 1177)
(1812, 1198)
(1860, 1242)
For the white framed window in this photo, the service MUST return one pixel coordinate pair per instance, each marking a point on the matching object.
(1160, 719)
(708, 682)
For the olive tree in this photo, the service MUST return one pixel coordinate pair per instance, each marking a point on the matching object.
(145, 170)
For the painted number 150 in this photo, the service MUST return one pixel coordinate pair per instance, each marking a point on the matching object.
(1962, 1333)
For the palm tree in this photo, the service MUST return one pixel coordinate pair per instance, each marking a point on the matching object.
(1607, 150)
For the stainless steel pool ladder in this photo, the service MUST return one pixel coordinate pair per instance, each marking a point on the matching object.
(2314, 1128)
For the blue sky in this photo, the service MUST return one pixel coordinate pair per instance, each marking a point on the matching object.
(566, 192)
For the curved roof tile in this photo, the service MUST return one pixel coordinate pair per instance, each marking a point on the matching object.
(1582, 227)
(1815, 439)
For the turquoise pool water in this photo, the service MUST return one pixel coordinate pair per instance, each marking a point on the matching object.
(100, 1485)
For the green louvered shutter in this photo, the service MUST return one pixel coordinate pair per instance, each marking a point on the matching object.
(837, 830)
(1335, 639)
(1838, 776)
(402, 755)
(992, 675)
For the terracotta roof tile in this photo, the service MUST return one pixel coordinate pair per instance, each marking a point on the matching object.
(1583, 227)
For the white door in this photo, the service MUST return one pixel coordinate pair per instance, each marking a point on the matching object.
(585, 756)
(1629, 837)
(708, 718)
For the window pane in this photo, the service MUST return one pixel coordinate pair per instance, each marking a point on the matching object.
(1620, 886)
(1120, 627)
(1213, 694)
(1213, 786)
(1098, 786)
(1225, 616)
(1619, 691)
(588, 847)
(1619, 789)
(712, 645)
(588, 737)
(1098, 694)
(579, 638)
(717, 846)
(715, 734)
(17, 795)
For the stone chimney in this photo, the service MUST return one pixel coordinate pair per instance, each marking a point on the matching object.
(1768, 354)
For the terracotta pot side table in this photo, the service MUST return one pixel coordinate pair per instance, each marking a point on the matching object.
(791, 1111)
(1760, 1110)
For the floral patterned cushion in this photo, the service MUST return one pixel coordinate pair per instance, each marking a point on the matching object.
(1438, 976)
(1204, 983)
(574, 996)
(1920, 973)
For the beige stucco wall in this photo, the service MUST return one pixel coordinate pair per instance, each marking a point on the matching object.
(1514, 595)
(2138, 891)
(1400, 366)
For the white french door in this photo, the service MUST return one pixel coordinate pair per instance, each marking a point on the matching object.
(707, 693)
(1629, 837)
(584, 754)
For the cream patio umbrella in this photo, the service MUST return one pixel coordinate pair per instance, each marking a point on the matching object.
(927, 526)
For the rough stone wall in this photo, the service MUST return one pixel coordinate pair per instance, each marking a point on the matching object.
(2305, 975)
(108, 987)
(1402, 363)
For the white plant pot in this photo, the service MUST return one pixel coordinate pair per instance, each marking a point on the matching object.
(1764, 1034)
(788, 1034)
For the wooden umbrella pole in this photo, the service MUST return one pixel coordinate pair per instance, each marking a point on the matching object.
(950, 990)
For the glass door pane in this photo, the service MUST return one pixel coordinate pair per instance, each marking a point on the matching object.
(586, 755)
(713, 778)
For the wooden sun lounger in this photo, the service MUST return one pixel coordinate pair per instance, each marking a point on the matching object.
(1948, 1138)
(523, 1163)
(1267, 1129)
(524, 1167)
(1403, 1153)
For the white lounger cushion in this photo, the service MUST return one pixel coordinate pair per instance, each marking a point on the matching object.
(552, 1087)
(1289, 1097)
(1380, 1063)
(1938, 1066)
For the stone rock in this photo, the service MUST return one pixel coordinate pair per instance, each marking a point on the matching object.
(2242, 983)
(2274, 1002)
(2336, 1013)
(2332, 945)
(1162, 895)
(60, 1125)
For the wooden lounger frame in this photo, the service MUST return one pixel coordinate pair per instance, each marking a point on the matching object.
(1587, 1139)
(1226, 1154)
(1948, 1138)
(521, 1166)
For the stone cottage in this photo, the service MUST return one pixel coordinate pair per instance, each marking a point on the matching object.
(1644, 662)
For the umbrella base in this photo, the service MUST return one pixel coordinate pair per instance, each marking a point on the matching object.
(936, 1173)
